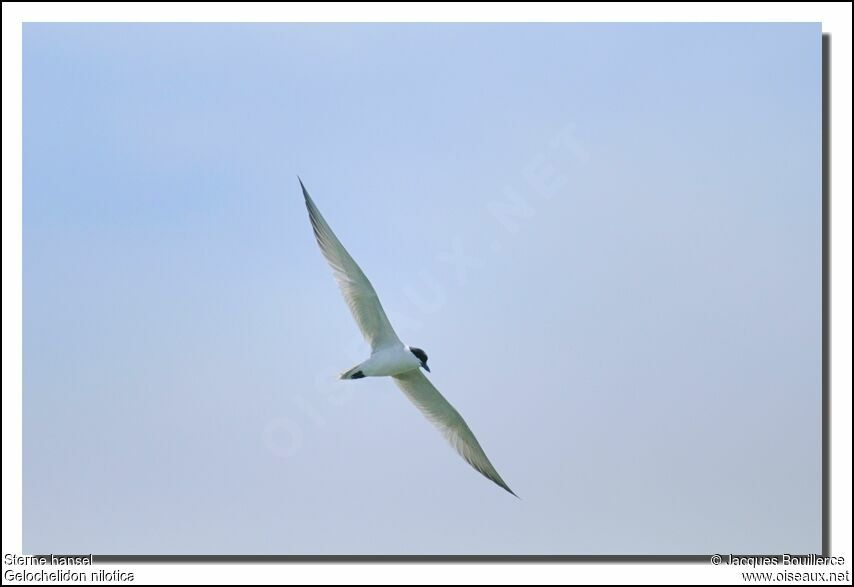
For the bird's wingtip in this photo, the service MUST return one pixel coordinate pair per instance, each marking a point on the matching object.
(304, 191)
(500, 482)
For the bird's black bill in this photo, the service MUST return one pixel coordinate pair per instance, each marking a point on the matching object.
(426, 368)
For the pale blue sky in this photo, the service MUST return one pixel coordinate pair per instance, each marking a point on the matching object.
(606, 237)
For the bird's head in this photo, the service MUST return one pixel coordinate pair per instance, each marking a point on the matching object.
(421, 356)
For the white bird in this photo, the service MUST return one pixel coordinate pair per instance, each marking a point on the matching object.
(389, 356)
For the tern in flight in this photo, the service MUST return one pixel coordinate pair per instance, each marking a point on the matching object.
(389, 356)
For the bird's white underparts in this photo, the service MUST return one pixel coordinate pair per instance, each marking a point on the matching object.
(389, 356)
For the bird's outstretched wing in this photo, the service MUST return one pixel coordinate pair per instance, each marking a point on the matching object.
(442, 414)
(358, 291)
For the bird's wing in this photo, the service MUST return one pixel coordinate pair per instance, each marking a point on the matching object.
(358, 291)
(442, 414)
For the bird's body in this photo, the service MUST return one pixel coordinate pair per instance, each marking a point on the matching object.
(389, 356)
(385, 362)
